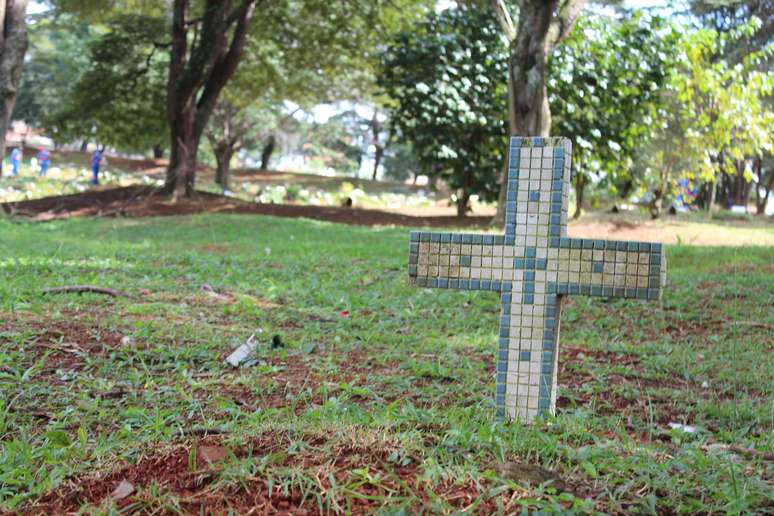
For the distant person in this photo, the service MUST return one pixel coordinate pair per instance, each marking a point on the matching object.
(96, 161)
(44, 159)
(16, 156)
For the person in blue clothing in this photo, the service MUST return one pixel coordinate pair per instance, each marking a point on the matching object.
(44, 160)
(96, 162)
(16, 156)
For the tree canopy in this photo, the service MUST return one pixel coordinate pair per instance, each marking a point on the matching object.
(448, 80)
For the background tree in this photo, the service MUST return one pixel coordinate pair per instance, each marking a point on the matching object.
(381, 139)
(234, 128)
(205, 52)
(117, 98)
(541, 26)
(724, 16)
(291, 43)
(721, 113)
(339, 143)
(401, 163)
(606, 82)
(603, 98)
(13, 45)
(449, 99)
(57, 56)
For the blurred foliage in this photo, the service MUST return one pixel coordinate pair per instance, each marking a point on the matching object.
(58, 53)
(448, 80)
(401, 162)
(339, 143)
(728, 15)
(719, 114)
(118, 99)
(605, 93)
(604, 85)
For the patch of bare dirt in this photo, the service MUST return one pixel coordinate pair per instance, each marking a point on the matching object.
(66, 342)
(143, 201)
(322, 459)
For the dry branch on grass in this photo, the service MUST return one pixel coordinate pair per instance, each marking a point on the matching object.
(82, 289)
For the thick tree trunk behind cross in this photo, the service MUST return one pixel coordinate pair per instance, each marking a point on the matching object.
(542, 25)
(197, 75)
(13, 46)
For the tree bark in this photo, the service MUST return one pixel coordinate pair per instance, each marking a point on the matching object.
(379, 147)
(197, 75)
(656, 203)
(378, 155)
(762, 200)
(580, 187)
(158, 152)
(542, 25)
(462, 203)
(13, 46)
(268, 150)
(223, 155)
(712, 189)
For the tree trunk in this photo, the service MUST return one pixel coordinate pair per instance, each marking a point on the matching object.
(196, 77)
(739, 183)
(762, 200)
(542, 25)
(268, 150)
(181, 172)
(13, 46)
(712, 193)
(580, 186)
(158, 152)
(378, 155)
(84, 145)
(223, 155)
(462, 203)
(656, 204)
(379, 148)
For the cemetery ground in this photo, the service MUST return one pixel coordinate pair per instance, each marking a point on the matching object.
(374, 394)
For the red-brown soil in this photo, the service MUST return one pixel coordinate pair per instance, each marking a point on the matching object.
(191, 481)
(143, 201)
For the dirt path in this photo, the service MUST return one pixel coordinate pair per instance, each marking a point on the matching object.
(143, 201)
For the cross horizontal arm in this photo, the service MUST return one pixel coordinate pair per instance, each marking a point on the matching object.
(609, 268)
(461, 261)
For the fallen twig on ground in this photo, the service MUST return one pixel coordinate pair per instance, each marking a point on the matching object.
(202, 431)
(750, 452)
(756, 324)
(81, 289)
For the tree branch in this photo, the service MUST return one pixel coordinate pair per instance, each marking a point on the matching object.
(178, 54)
(224, 67)
(504, 17)
(80, 289)
(564, 20)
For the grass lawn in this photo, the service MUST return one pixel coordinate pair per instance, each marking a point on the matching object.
(382, 396)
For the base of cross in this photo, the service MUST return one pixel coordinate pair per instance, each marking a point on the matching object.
(533, 266)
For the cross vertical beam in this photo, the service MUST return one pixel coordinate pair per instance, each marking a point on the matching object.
(533, 266)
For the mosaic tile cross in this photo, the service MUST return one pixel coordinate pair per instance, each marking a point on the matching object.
(533, 266)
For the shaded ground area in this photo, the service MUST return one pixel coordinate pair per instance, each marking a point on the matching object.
(143, 201)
